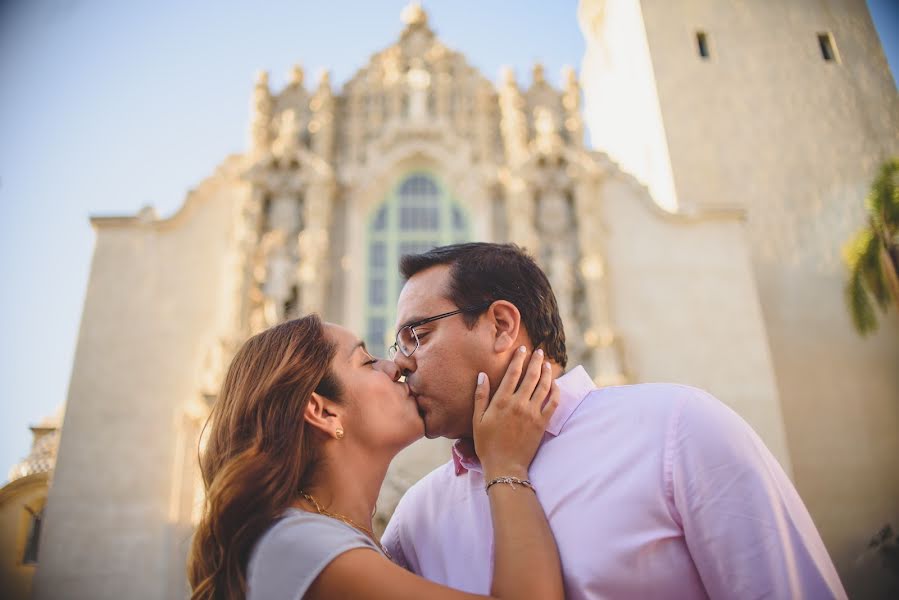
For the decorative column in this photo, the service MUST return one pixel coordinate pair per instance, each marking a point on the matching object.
(274, 280)
(321, 126)
(520, 213)
(513, 122)
(313, 273)
(571, 105)
(355, 121)
(484, 122)
(559, 257)
(418, 81)
(260, 121)
(443, 87)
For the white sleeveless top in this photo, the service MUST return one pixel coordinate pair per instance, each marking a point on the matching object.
(291, 554)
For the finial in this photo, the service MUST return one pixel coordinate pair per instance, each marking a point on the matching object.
(507, 75)
(569, 76)
(262, 78)
(414, 14)
(324, 78)
(296, 75)
(538, 74)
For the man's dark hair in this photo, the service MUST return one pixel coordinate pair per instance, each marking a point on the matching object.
(482, 272)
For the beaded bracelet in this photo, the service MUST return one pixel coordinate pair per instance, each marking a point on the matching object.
(511, 481)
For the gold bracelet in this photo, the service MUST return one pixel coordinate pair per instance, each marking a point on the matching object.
(511, 481)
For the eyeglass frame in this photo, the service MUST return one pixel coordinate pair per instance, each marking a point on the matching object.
(394, 348)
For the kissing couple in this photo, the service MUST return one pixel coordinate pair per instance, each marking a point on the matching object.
(555, 488)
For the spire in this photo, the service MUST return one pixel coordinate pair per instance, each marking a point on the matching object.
(538, 75)
(262, 105)
(296, 75)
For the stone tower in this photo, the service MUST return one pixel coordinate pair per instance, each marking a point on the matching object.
(784, 110)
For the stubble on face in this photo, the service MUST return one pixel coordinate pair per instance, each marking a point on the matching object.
(443, 370)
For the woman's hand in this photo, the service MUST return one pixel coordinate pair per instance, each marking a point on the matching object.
(509, 427)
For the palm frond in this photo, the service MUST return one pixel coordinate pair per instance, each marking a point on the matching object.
(860, 307)
(872, 273)
(882, 201)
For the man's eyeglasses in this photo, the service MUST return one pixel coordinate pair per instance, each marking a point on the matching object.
(407, 339)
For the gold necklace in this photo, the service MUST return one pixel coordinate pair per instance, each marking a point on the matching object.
(346, 520)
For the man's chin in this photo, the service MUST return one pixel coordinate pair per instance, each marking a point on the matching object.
(429, 432)
(432, 431)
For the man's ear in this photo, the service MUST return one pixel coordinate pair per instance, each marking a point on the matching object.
(323, 415)
(507, 322)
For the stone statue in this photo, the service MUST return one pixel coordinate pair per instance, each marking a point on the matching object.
(418, 81)
(284, 213)
(313, 245)
(560, 256)
(260, 128)
(278, 276)
(322, 125)
(548, 141)
(513, 123)
(287, 142)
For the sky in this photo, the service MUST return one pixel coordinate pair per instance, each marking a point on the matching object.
(106, 107)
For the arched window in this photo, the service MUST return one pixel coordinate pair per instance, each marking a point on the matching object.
(416, 216)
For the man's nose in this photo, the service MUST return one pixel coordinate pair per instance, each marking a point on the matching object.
(405, 364)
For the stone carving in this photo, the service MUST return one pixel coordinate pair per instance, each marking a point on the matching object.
(560, 255)
(287, 142)
(278, 281)
(520, 214)
(418, 102)
(571, 104)
(260, 128)
(547, 140)
(297, 75)
(322, 124)
(513, 123)
(418, 81)
(284, 213)
(313, 244)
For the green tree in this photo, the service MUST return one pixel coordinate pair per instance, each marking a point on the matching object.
(872, 255)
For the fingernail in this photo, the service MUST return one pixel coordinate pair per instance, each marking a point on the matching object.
(481, 378)
(539, 352)
(522, 349)
(546, 366)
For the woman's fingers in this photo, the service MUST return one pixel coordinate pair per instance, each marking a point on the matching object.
(552, 403)
(512, 376)
(543, 385)
(481, 396)
(531, 377)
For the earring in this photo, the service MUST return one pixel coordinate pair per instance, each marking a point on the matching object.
(338, 433)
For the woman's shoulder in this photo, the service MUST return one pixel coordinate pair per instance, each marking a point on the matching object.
(295, 549)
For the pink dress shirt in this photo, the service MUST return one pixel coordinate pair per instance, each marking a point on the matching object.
(652, 491)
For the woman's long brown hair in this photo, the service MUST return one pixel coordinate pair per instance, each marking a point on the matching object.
(260, 452)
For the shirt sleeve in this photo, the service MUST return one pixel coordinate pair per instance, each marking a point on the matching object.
(391, 540)
(747, 530)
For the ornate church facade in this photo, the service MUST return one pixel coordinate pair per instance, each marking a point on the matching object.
(417, 149)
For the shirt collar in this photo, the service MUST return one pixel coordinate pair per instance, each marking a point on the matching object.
(573, 387)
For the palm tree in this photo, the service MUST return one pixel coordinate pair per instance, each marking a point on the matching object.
(872, 255)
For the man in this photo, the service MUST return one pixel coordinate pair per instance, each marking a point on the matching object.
(652, 491)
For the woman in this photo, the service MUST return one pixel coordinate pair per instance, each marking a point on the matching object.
(301, 436)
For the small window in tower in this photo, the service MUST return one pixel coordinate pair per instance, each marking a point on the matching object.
(702, 44)
(29, 556)
(828, 47)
